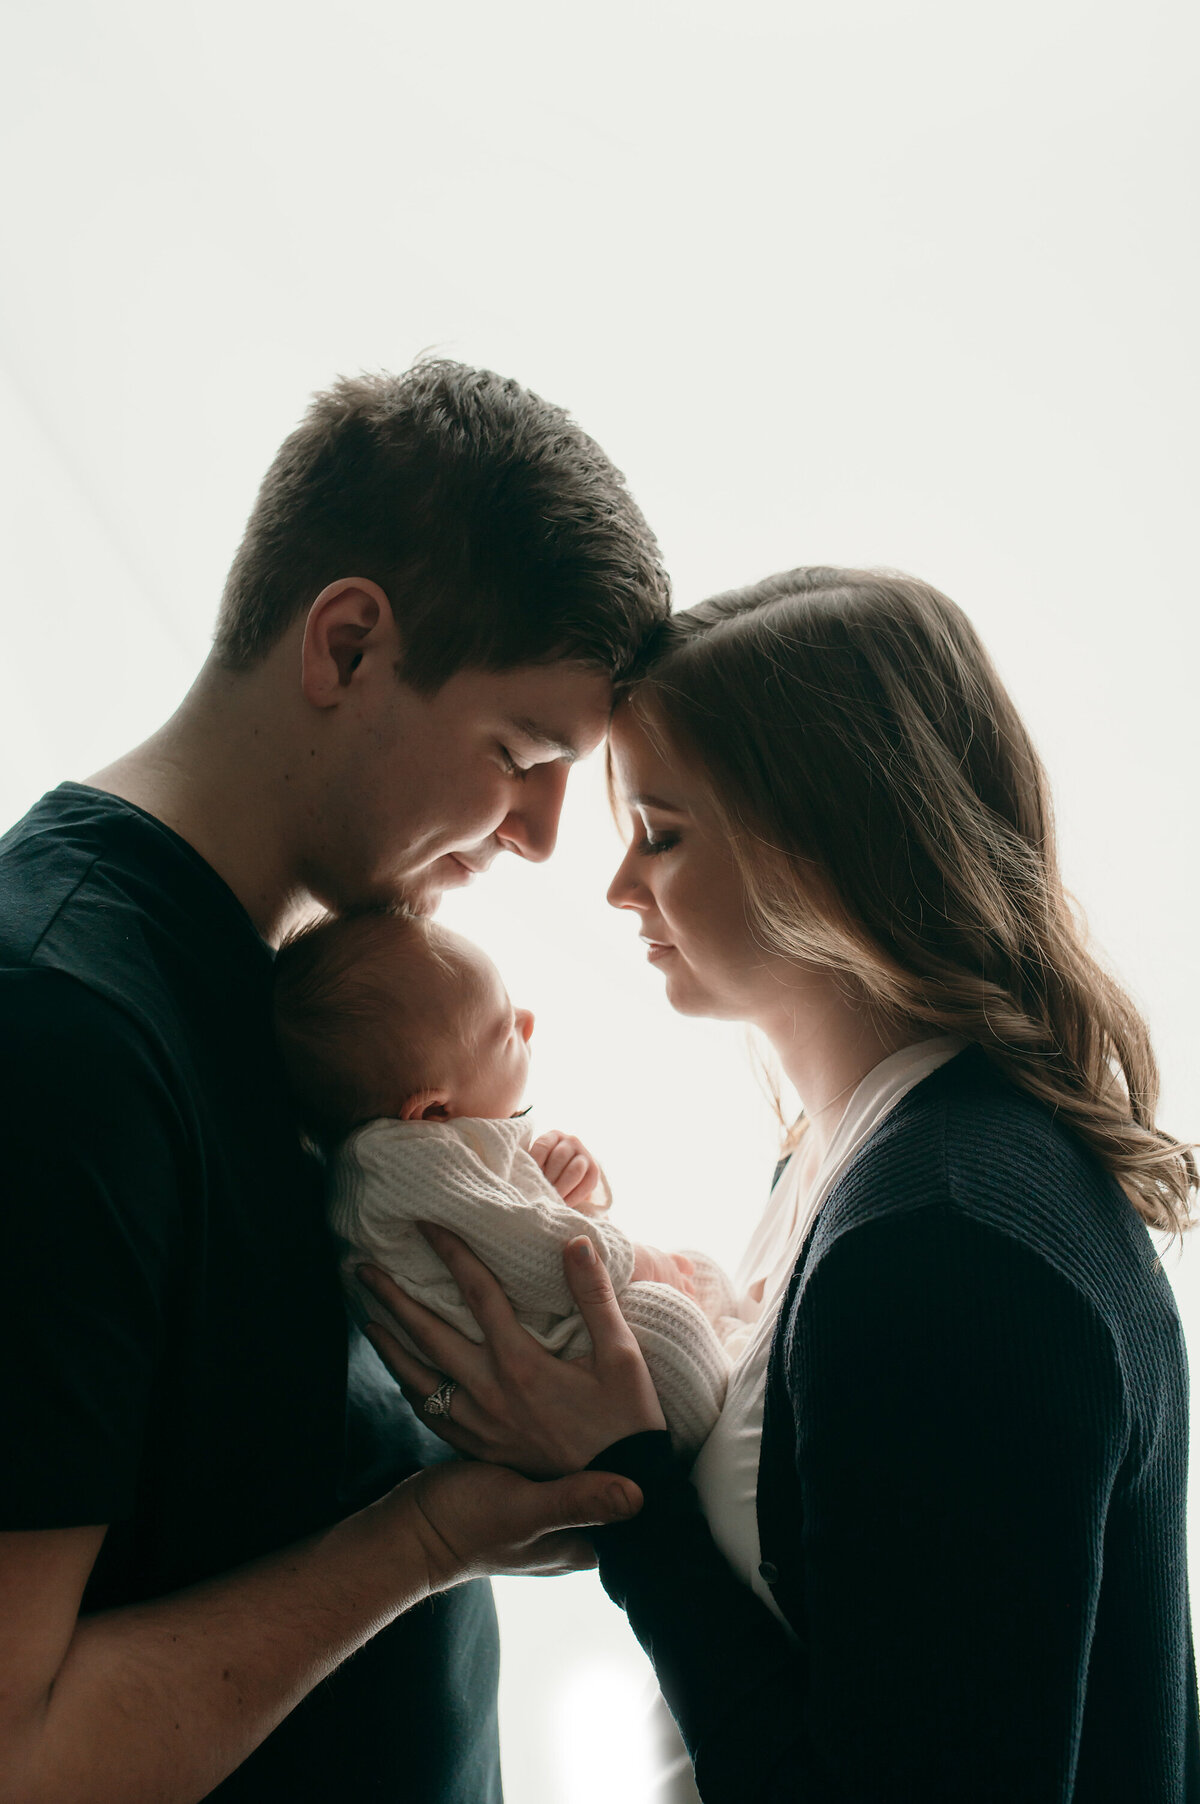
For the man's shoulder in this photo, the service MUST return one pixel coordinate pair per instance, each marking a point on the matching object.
(68, 1050)
(44, 1009)
(75, 872)
(74, 970)
(42, 868)
(104, 893)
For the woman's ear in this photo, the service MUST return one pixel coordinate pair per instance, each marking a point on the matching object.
(349, 620)
(426, 1105)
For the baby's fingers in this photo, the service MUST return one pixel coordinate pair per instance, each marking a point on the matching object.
(544, 1145)
(565, 1152)
(595, 1201)
(577, 1180)
(686, 1271)
(553, 1152)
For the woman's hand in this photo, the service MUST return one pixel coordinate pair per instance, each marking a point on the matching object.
(566, 1163)
(470, 1519)
(515, 1404)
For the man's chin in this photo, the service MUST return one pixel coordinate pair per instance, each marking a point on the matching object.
(419, 895)
(427, 887)
(421, 892)
(423, 901)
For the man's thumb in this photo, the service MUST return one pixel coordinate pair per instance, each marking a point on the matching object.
(588, 1500)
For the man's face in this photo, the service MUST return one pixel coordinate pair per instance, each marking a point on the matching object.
(421, 792)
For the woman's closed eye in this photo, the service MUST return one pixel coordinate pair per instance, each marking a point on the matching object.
(651, 843)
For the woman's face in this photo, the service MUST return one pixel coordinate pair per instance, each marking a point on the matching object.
(680, 880)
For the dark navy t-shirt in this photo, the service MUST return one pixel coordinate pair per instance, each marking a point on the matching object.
(175, 1359)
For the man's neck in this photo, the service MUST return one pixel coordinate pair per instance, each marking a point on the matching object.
(216, 774)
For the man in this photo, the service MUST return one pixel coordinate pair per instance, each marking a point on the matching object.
(202, 1497)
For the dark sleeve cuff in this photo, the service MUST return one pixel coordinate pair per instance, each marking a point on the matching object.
(647, 1458)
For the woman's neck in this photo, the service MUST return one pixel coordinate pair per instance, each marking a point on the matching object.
(827, 1043)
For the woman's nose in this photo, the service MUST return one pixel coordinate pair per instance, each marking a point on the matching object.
(625, 890)
(524, 1022)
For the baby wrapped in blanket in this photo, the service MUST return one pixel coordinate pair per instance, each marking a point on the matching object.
(409, 1063)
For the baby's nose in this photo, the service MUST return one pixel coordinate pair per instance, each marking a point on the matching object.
(524, 1022)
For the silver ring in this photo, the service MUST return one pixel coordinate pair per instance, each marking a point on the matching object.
(438, 1402)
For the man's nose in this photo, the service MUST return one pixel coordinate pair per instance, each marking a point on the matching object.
(531, 828)
(524, 1022)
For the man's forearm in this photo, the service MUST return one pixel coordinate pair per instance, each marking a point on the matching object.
(157, 1703)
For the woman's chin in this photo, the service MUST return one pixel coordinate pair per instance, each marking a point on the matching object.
(687, 998)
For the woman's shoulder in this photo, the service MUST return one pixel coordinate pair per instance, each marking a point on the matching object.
(968, 1144)
(970, 1138)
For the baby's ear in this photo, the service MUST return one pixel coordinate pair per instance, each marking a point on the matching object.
(426, 1105)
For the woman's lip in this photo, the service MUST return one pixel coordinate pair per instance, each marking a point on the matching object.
(657, 949)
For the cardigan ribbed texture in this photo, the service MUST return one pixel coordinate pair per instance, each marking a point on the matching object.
(971, 1493)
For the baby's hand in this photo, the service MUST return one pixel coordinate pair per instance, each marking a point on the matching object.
(568, 1165)
(674, 1269)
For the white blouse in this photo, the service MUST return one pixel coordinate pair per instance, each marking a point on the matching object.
(726, 1470)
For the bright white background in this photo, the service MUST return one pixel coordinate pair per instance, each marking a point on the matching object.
(909, 283)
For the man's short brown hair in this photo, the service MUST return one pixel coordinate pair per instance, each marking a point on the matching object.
(500, 532)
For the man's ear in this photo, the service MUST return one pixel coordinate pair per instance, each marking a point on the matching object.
(349, 622)
(426, 1105)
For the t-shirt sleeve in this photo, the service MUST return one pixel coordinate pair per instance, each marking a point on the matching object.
(958, 1422)
(90, 1211)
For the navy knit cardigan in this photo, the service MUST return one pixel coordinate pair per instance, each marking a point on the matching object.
(971, 1493)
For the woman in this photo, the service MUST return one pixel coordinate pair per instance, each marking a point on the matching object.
(935, 1546)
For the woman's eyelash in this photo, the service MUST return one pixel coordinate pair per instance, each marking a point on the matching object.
(662, 843)
(511, 767)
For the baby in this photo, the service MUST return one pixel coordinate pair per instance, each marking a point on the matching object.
(409, 1064)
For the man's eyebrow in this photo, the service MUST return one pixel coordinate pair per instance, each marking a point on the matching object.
(543, 736)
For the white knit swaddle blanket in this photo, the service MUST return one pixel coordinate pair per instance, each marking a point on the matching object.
(479, 1179)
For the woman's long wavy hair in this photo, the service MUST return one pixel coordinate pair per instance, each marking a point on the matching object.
(891, 821)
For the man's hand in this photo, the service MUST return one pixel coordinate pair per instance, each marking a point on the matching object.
(566, 1163)
(473, 1519)
(157, 1702)
(675, 1269)
(515, 1404)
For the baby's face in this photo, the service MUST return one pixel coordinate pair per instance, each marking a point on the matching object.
(494, 1055)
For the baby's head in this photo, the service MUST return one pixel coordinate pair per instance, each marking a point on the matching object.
(385, 1013)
